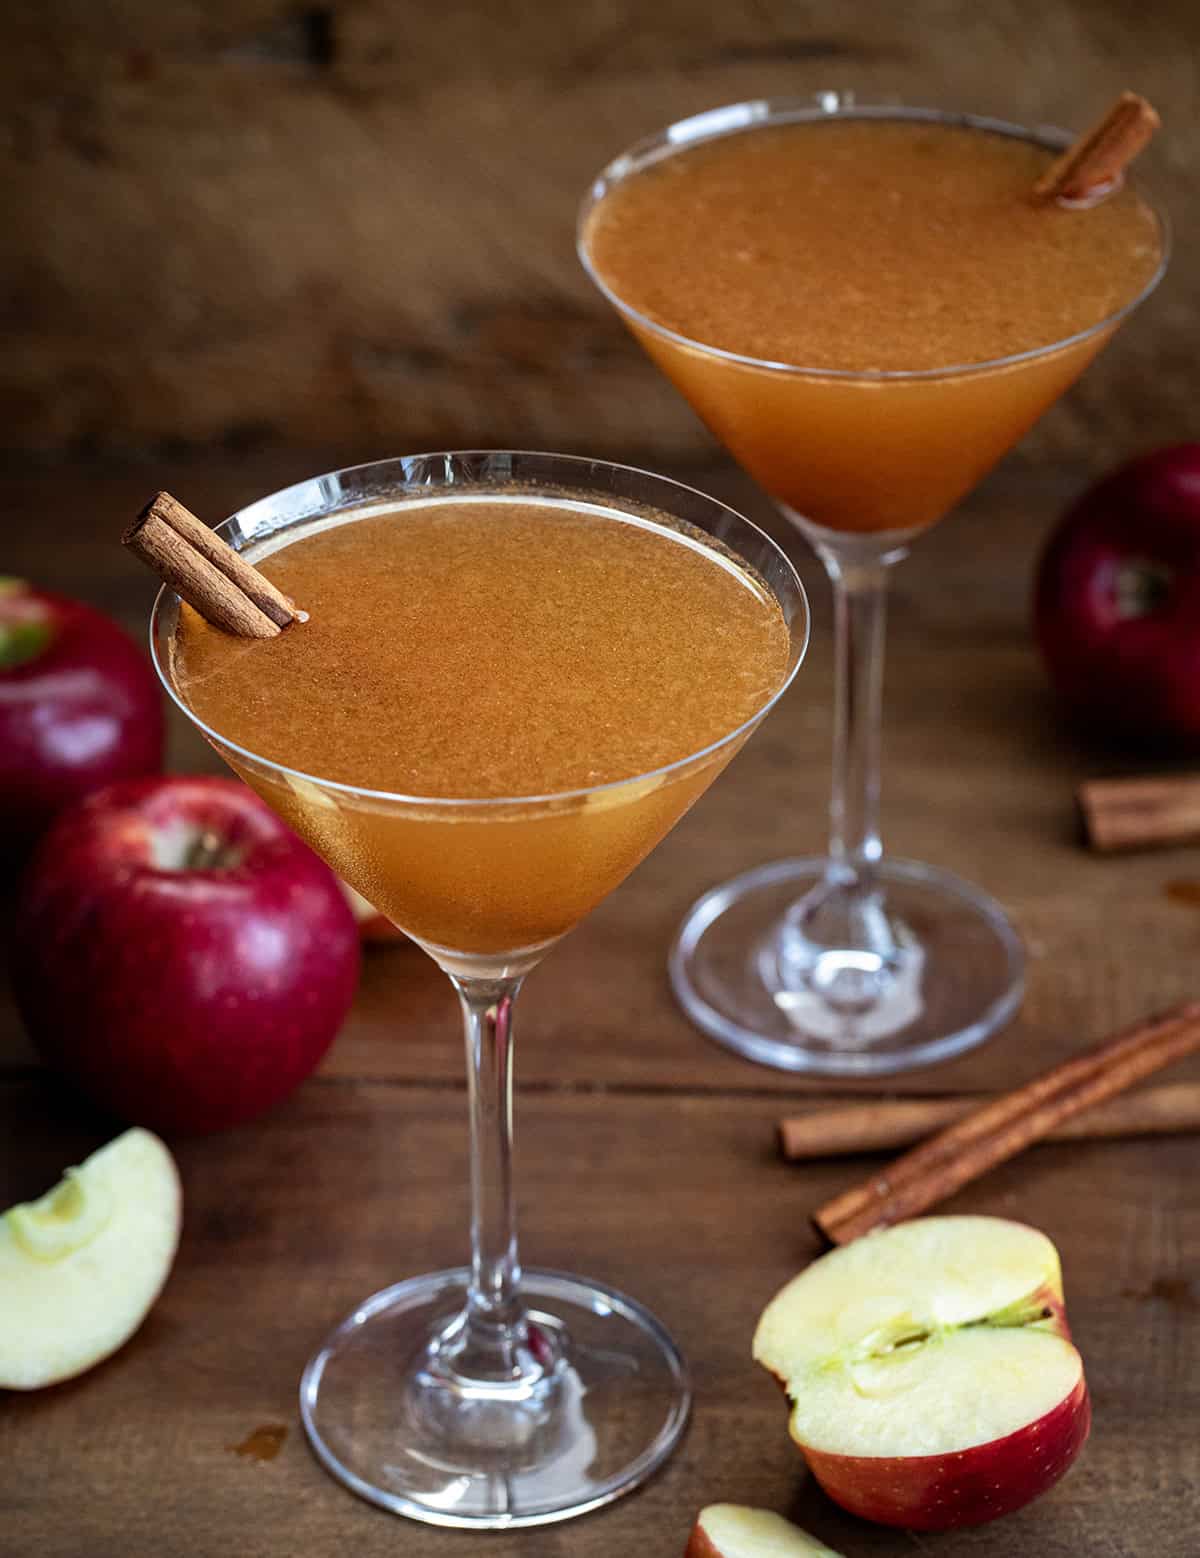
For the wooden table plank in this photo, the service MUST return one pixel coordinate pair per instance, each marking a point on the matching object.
(680, 1201)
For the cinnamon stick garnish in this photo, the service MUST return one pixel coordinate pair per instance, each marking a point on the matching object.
(206, 572)
(1094, 164)
(1001, 1128)
(1140, 813)
(1173, 1109)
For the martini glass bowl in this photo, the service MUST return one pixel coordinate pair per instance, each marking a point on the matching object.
(490, 1395)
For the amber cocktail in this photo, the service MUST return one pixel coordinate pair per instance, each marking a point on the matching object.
(516, 673)
(868, 307)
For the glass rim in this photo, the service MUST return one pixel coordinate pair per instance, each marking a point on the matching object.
(574, 463)
(753, 113)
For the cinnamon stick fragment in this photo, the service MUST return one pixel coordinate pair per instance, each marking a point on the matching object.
(206, 572)
(1094, 164)
(1173, 1109)
(1001, 1128)
(1139, 813)
(254, 585)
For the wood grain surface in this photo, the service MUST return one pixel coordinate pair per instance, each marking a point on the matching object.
(250, 221)
(646, 1154)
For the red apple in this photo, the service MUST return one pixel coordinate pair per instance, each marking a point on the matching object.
(180, 955)
(930, 1369)
(80, 707)
(1117, 608)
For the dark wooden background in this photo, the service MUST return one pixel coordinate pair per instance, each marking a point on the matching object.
(244, 241)
(245, 222)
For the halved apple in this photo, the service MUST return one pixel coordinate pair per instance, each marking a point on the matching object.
(930, 1369)
(81, 1266)
(736, 1531)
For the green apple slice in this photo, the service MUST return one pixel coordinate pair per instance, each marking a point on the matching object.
(81, 1266)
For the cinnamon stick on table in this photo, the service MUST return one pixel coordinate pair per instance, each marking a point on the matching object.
(1093, 165)
(1001, 1128)
(898, 1122)
(206, 572)
(1140, 813)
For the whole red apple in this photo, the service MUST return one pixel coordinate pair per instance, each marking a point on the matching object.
(180, 954)
(1117, 608)
(80, 707)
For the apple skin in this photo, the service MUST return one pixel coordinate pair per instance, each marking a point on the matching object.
(939, 1492)
(82, 711)
(183, 998)
(700, 1545)
(1117, 602)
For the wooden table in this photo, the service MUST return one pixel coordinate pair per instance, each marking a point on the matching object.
(645, 1152)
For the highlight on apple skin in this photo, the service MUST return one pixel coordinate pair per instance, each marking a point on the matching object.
(81, 1266)
(737, 1531)
(931, 1375)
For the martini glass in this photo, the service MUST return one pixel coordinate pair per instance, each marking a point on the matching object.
(853, 963)
(492, 1395)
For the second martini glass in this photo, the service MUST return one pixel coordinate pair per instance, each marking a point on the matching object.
(854, 963)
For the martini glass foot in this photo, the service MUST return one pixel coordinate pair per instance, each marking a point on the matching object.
(597, 1401)
(929, 967)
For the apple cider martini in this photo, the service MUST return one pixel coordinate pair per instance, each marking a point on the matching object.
(868, 307)
(515, 674)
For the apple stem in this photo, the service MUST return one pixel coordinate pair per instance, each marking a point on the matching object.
(1141, 587)
(1016, 1315)
(25, 627)
(185, 848)
(889, 1340)
(205, 852)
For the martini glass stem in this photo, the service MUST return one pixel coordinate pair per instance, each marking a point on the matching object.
(838, 938)
(860, 615)
(491, 1339)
